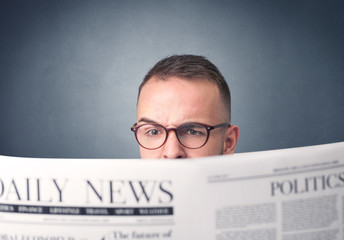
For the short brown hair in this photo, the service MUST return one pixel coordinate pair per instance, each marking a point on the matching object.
(190, 67)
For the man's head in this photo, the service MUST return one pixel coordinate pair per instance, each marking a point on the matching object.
(178, 92)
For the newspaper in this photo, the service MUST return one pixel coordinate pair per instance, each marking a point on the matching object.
(289, 194)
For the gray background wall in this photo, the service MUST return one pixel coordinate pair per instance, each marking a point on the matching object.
(69, 70)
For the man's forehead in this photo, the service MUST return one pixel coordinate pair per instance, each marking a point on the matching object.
(179, 82)
(177, 100)
(146, 120)
(171, 89)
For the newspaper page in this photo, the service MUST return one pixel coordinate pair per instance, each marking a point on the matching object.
(293, 194)
(74, 199)
(281, 194)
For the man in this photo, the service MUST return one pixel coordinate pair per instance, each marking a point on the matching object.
(184, 110)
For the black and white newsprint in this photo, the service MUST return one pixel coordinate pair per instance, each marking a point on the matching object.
(291, 194)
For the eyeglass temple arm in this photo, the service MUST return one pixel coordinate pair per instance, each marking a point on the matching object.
(222, 125)
(133, 128)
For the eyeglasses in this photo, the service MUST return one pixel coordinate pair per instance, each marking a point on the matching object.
(190, 135)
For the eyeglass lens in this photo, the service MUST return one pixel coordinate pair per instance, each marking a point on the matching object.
(151, 136)
(190, 135)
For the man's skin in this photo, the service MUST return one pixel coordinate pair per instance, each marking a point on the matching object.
(174, 101)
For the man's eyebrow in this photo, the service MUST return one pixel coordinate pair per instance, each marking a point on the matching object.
(147, 120)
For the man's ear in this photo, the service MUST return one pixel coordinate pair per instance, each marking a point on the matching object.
(230, 139)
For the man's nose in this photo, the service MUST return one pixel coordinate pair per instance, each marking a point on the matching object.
(172, 147)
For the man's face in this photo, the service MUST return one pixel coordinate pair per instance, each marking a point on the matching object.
(175, 101)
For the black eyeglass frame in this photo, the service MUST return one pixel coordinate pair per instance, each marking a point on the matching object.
(134, 128)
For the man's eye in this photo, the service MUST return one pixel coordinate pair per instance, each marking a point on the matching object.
(194, 132)
(153, 132)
